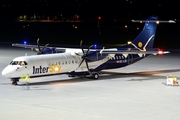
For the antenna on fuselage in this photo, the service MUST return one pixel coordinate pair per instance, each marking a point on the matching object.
(101, 51)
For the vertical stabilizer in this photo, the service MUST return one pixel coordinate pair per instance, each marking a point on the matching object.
(146, 37)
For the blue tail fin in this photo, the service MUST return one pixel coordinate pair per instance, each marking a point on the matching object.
(146, 38)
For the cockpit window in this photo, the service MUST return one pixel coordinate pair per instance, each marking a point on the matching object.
(22, 63)
(14, 63)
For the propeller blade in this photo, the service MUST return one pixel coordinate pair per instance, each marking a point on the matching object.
(81, 63)
(44, 47)
(34, 49)
(81, 43)
(84, 57)
(77, 54)
(82, 47)
(89, 48)
(38, 46)
(88, 67)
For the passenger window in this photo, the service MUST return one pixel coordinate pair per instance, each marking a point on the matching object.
(117, 57)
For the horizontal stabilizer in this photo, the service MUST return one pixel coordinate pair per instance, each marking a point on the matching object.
(157, 21)
(135, 52)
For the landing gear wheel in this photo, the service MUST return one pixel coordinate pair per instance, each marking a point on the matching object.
(14, 82)
(95, 76)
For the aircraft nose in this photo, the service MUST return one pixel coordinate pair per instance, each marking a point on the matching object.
(6, 72)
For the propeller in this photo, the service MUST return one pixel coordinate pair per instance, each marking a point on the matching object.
(84, 56)
(39, 50)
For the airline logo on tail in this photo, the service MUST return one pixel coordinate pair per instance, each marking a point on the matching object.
(140, 44)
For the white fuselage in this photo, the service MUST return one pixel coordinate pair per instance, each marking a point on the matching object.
(47, 64)
(38, 65)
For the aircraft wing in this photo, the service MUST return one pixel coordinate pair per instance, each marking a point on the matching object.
(26, 46)
(136, 52)
(36, 46)
(59, 49)
(31, 46)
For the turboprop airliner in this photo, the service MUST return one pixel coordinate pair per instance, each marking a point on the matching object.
(83, 62)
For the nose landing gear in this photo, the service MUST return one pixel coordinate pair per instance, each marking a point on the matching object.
(14, 81)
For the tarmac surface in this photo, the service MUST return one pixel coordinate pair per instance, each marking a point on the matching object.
(135, 92)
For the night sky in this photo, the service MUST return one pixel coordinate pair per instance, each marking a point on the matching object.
(121, 8)
(115, 14)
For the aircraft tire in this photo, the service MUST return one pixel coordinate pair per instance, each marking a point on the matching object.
(14, 82)
(95, 75)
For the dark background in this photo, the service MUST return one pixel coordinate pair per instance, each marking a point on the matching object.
(109, 30)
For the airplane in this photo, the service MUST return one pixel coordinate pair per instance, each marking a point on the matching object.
(80, 62)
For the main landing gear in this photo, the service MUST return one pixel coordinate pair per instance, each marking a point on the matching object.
(95, 75)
